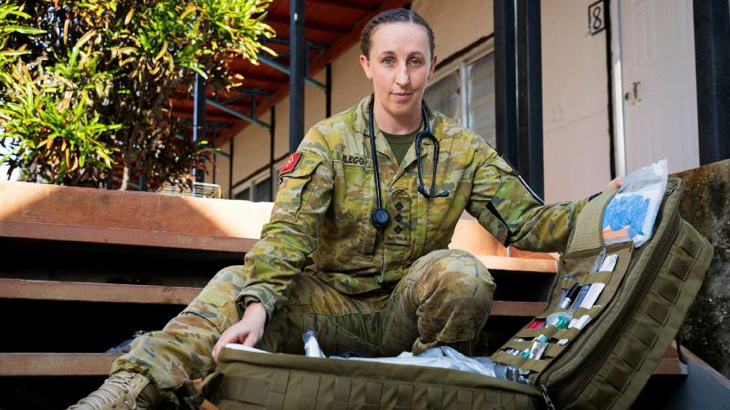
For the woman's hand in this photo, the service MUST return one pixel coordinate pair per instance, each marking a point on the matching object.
(615, 184)
(247, 332)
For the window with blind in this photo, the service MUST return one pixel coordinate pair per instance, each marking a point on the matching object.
(258, 191)
(467, 95)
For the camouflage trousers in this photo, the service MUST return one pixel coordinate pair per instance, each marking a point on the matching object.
(445, 298)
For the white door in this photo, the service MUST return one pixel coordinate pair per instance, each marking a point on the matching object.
(659, 85)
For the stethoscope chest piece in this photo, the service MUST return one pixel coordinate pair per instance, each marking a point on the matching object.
(380, 218)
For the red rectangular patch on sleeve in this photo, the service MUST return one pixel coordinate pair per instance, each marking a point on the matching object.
(291, 163)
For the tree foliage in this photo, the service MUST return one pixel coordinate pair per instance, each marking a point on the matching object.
(87, 84)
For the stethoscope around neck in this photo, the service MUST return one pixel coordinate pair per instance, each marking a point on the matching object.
(380, 216)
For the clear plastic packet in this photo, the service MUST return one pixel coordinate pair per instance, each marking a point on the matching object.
(444, 357)
(561, 319)
(631, 214)
(311, 346)
(506, 372)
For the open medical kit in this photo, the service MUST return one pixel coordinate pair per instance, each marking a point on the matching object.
(612, 312)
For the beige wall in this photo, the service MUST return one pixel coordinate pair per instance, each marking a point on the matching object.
(349, 84)
(456, 23)
(575, 102)
(281, 145)
(251, 149)
(221, 170)
(315, 106)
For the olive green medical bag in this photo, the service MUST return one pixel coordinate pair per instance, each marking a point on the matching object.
(605, 364)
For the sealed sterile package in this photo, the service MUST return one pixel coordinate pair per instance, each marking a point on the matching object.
(631, 214)
(443, 356)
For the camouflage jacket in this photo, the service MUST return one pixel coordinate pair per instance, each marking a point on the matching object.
(327, 192)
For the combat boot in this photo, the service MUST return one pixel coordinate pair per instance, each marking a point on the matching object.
(122, 390)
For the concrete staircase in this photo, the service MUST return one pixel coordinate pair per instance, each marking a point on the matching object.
(82, 270)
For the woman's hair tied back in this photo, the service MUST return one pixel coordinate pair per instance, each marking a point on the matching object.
(393, 16)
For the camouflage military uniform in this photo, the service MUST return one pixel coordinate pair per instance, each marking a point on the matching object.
(377, 292)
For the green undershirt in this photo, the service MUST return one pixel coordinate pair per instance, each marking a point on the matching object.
(400, 144)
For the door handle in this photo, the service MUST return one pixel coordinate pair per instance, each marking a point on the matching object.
(635, 98)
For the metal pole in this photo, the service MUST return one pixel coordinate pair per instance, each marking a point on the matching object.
(235, 113)
(610, 84)
(142, 182)
(505, 67)
(215, 157)
(530, 84)
(298, 72)
(198, 120)
(230, 170)
(272, 133)
(518, 75)
(328, 90)
(307, 79)
(712, 60)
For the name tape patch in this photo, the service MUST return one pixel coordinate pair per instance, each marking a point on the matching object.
(351, 159)
(291, 163)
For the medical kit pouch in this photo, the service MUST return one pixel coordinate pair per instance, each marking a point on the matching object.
(630, 304)
(612, 312)
(250, 380)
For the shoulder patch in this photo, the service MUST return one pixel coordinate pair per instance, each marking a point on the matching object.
(291, 163)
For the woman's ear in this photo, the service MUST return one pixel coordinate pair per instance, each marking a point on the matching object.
(433, 66)
(365, 63)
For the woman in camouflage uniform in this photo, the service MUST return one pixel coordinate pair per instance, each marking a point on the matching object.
(376, 290)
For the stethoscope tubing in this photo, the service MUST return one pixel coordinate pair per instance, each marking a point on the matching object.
(380, 217)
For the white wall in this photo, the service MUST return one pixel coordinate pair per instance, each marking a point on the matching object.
(575, 102)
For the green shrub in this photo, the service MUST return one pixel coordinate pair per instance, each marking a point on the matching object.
(87, 84)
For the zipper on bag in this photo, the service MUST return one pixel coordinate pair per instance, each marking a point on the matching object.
(546, 398)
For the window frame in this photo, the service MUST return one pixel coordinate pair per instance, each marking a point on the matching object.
(460, 64)
(251, 186)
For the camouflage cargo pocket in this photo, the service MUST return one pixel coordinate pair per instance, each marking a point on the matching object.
(216, 303)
